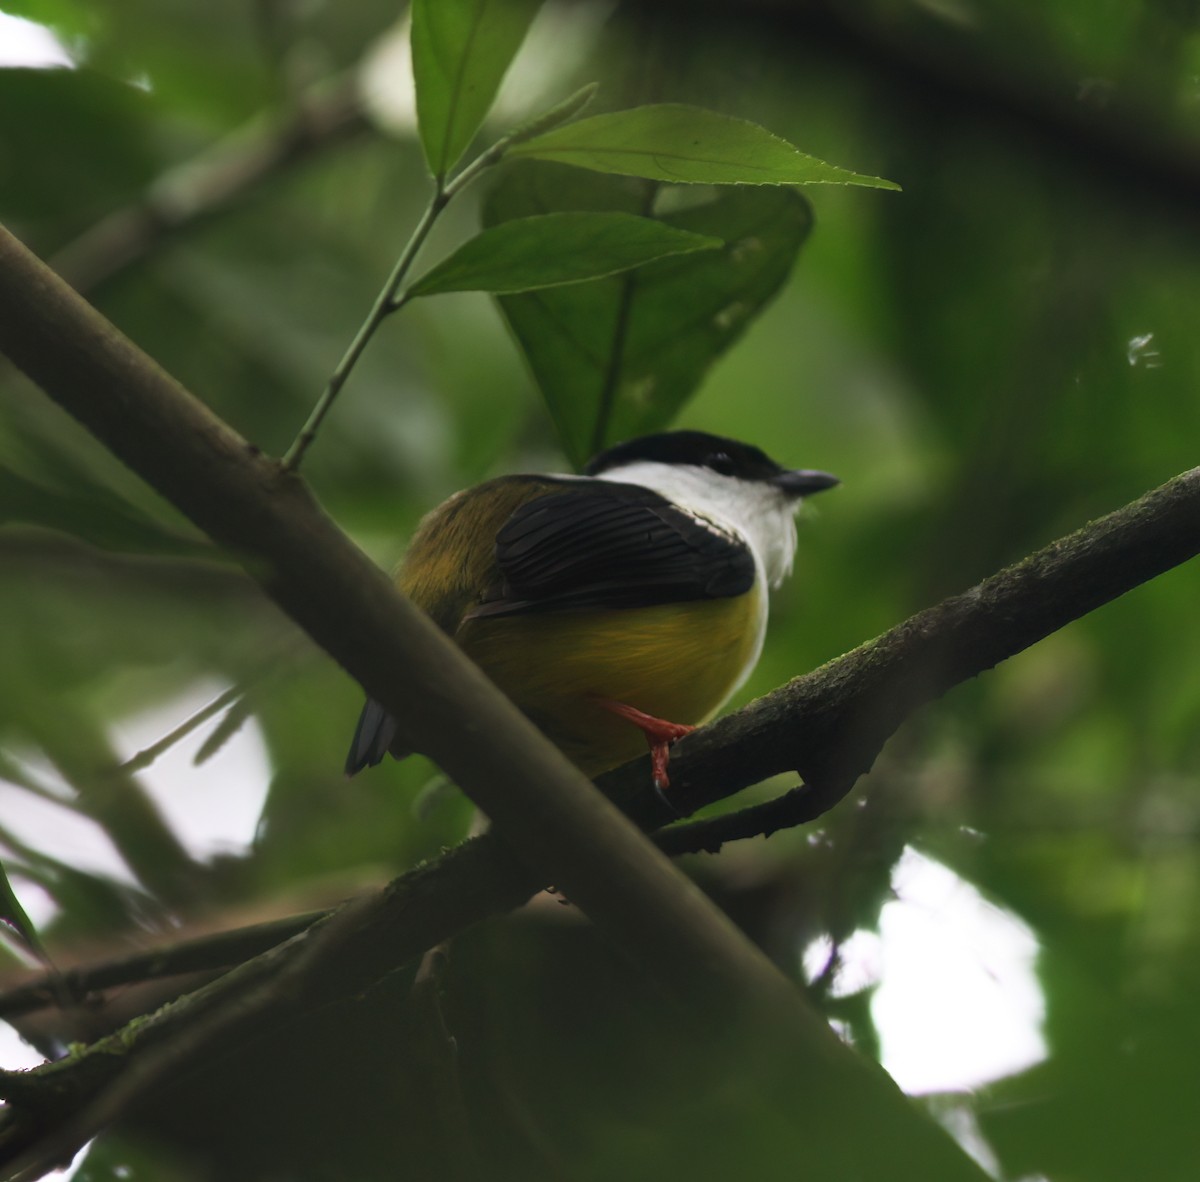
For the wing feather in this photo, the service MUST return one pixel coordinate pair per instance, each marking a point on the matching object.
(605, 545)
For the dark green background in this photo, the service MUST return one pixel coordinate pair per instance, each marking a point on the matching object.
(964, 355)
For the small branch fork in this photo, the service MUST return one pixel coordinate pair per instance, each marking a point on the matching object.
(393, 297)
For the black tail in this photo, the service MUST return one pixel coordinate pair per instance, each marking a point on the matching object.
(372, 737)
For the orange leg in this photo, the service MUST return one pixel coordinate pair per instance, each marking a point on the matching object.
(659, 733)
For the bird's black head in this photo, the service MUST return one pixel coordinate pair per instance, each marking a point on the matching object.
(727, 457)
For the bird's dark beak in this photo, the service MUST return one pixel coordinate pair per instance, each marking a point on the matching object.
(803, 482)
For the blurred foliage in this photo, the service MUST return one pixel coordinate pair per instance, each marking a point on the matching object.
(989, 359)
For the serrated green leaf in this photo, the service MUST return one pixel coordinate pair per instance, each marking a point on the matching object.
(549, 250)
(619, 357)
(461, 50)
(681, 144)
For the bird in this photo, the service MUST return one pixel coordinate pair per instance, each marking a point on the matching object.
(618, 609)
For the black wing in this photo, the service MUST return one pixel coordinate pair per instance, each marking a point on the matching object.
(611, 545)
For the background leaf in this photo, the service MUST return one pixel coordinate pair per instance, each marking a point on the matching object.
(682, 144)
(461, 50)
(628, 351)
(13, 914)
(548, 250)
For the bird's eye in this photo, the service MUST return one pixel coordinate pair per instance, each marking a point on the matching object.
(720, 462)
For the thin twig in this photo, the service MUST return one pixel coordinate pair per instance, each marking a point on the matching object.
(383, 306)
(144, 758)
(226, 700)
(390, 298)
(213, 952)
(328, 114)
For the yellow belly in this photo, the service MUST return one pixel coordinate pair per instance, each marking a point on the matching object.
(678, 662)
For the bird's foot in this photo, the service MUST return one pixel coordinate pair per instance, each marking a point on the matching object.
(660, 734)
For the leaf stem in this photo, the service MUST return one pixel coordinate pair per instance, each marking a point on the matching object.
(390, 298)
(144, 758)
(384, 303)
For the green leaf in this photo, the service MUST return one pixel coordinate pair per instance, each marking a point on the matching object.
(687, 145)
(13, 914)
(235, 718)
(549, 250)
(461, 50)
(620, 356)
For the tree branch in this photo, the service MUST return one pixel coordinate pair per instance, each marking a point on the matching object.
(816, 716)
(208, 953)
(189, 194)
(831, 724)
(542, 807)
(786, 811)
(541, 803)
(56, 1108)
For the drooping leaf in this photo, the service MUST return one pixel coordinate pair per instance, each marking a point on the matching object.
(552, 249)
(89, 511)
(620, 356)
(682, 144)
(461, 50)
(235, 718)
(13, 915)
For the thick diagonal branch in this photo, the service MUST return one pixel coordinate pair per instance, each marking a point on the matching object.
(543, 809)
(831, 724)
